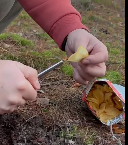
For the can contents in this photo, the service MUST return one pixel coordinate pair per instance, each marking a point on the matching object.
(104, 102)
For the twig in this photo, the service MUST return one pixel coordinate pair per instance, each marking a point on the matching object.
(40, 91)
(28, 120)
(90, 4)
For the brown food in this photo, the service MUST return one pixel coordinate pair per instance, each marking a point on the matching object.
(104, 102)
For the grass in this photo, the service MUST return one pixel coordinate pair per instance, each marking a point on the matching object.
(85, 3)
(67, 69)
(26, 25)
(52, 53)
(47, 54)
(13, 23)
(90, 140)
(108, 45)
(73, 132)
(85, 20)
(94, 18)
(123, 60)
(107, 3)
(43, 36)
(18, 40)
(115, 51)
(114, 77)
(25, 16)
(70, 133)
(38, 60)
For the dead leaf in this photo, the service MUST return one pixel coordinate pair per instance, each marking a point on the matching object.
(76, 85)
(110, 19)
(118, 130)
(71, 142)
(118, 15)
(120, 24)
(43, 101)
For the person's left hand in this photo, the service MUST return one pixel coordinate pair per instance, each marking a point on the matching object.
(94, 65)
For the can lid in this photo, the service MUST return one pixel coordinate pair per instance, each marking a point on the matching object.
(121, 89)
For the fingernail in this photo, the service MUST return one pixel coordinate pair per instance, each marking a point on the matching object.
(86, 61)
(37, 84)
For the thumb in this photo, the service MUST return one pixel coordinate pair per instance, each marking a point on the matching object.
(97, 55)
(30, 74)
(95, 58)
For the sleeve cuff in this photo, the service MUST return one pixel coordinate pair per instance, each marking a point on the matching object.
(64, 26)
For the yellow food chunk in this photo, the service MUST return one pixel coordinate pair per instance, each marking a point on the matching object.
(105, 117)
(103, 102)
(108, 99)
(96, 86)
(106, 88)
(93, 100)
(102, 108)
(110, 110)
(94, 106)
(118, 103)
(79, 55)
(99, 95)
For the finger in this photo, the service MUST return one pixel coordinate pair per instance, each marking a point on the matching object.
(96, 70)
(27, 91)
(99, 54)
(1, 111)
(30, 74)
(21, 102)
(6, 109)
(78, 78)
(68, 51)
(12, 109)
(16, 100)
(83, 74)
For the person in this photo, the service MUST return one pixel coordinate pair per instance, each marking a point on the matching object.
(62, 22)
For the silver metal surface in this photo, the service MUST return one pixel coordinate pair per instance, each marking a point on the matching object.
(50, 69)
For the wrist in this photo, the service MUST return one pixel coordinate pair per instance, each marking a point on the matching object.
(64, 43)
(66, 38)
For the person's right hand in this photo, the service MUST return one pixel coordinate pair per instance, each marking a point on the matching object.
(18, 84)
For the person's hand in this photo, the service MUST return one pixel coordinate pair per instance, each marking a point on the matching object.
(94, 65)
(18, 84)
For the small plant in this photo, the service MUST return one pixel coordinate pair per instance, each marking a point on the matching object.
(114, 77)
(114, 51)
(94, 18)
(47, 54)
(44, 36)
(123, 60)
(85, 3)
(67, 70)
(25, 16)
(26, 25)
(58, 53)
(16, 39)
(13, 23)
(84, 20)
(108, 45)
(107, 3)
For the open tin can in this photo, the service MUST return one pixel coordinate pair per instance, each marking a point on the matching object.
(119, 92)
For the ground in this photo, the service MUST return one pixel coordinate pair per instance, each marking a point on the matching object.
(63, 119)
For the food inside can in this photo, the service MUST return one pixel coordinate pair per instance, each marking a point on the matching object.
(104, 102)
